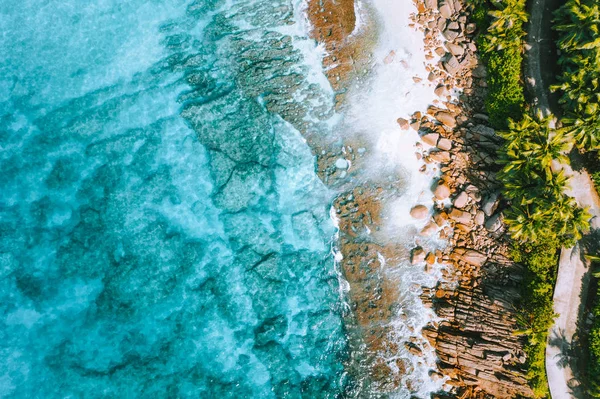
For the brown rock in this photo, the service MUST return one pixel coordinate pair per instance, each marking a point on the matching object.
(440, 91)
(419, 212)
(450, 35)
(494, 223)
(431, 138)
(442, 191)
(461, 200)
(431, 4)
(473, 257)
(430, 258)
(404, 125)
(444, 144)
(455, 49)
(440, 156)
(445, 10)
(490, 204)
(479, 217)
(446, 118)
(453, 25)
(429, 229)
(417, 255)
(460, 216)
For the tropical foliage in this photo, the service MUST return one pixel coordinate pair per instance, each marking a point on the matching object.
(541, 217)
(578, 24)
(536, 184)
(594, 343)
(537, 315)
(502, 54)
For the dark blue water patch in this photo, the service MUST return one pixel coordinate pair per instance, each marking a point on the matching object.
(163, 230)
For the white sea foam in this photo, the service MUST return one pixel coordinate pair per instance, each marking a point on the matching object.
(376, 102)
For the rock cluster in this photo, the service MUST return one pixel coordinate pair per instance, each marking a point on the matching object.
(476, 343)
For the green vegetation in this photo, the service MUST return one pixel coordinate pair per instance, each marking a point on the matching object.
(502, 54)
(593, 372)
(540, 211)
(537, 314)
(578, 24)
(596, 179)
(541, 218)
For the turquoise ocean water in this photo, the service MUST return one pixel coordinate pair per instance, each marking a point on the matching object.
(163, 233)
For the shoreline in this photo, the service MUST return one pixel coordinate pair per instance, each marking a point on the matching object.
(472, 334)
(387, 311)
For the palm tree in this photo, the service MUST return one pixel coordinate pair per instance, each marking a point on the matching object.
(584, 130)
(569, 220)
(503, 31)
(581, 25)
(533, 145)
(580, 89)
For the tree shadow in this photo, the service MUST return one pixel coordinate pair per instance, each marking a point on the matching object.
(559, 340)
(578, 161)
(590, 244)
(569, 356)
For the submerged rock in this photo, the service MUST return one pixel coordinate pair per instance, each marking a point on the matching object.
(341, 163)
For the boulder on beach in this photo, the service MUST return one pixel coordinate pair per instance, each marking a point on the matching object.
(451, 65)
(474, 257)
(440, 156)
(430, 138)
(429, 229)
(494, 223)
(450, 35)
(490, 204)
(419, 212)
(480, 217)
(404, 125)
(442, 191)
(431, 4)
(440, 91)
(417, 255)
(446, 11)
(461, 200)
(455, 49)
(446, 118)
(444, 144)
(460, 216)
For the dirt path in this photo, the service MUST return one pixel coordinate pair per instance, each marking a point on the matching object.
(573, 270)
(569, 298)
(533, 65)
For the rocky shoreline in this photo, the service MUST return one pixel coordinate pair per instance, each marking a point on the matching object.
(476, 343)
(479, 354)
